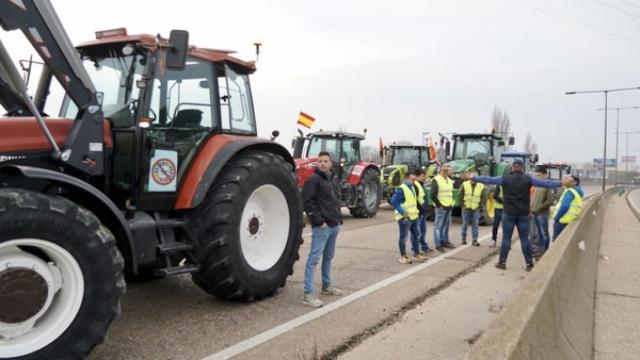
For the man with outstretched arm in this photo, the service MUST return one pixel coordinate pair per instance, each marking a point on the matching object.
(516, 187)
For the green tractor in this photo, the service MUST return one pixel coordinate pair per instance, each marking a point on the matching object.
(479, 153)
(400, 159)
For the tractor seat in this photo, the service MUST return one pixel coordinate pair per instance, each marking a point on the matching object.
(189, 118)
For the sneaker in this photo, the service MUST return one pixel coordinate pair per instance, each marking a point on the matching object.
(501, 266)
(493, 244)
(440, 248)
(405, 259)
(312, 301)
(332, 291)
(475, 243)
(449, 245)
(429, 250)
(420, 257)
(529, 266)
(464, 241)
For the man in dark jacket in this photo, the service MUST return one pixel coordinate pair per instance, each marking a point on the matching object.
(516, 187)
(322, 206)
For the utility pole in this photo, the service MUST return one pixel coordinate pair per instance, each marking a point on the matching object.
(617, 109)
(606, 94)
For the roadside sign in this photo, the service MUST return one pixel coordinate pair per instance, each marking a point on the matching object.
(628, 159)
(610, 163)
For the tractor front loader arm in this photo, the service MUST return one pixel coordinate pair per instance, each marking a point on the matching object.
(83, 148)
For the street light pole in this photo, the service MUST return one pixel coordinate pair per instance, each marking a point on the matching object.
(626, 163)
(617, 109)
(606, 95)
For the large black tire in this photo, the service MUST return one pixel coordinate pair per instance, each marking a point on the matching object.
(51, 226)
(369, 195)
(487, 212)
(215, 225)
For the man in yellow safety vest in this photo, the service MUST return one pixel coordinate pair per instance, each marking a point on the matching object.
(569, 206)
(442, 195)
(406, 213)
(471, 196)
(498, 193)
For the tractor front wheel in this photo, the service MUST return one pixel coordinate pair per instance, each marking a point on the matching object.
(248, 229)
(369, 195)
(60, 277)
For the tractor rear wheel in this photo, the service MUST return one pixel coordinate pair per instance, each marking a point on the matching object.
(60, 277)
(248, 229)
(369, 195)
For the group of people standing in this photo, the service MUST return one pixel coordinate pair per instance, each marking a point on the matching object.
(520, 199)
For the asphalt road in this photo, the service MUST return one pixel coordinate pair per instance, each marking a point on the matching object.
(174, 319)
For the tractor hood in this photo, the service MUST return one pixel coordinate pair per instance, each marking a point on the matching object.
(462, 165)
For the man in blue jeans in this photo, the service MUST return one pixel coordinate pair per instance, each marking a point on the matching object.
(406, 213)
(322, 206)
(516, 187)
(442, 196)
(541, 202)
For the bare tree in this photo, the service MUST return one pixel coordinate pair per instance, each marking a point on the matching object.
(501, 122)
(529, 145)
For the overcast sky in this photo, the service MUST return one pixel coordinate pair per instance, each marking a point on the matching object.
(400, 68)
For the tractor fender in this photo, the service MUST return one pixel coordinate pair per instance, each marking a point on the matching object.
(210, 160)
(89, 197)
(358, 170)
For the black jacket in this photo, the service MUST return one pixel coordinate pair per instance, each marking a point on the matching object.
(516, 187)
(321, 203)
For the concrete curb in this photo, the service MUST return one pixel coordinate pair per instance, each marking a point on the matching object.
(552, 314)
(632, 206)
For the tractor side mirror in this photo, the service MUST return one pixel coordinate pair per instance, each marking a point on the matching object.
(297, 144)
(178, 47)
(355, 145)
(535, 159)
(512, 140)
(274, 134)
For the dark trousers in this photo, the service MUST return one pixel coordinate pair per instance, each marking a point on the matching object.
(497, 217)
(406, 227)
(510, 222)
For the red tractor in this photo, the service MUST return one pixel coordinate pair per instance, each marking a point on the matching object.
(358, 181)
(152, 167)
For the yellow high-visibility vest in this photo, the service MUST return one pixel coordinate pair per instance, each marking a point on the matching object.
(445, 190)
(499, 205)
(574, 209)
(422, 195)
(472, 195)
(410, 204)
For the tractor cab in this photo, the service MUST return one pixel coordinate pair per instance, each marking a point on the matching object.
(401, 159)
(479, 153)
(358, 181)
(343, 147)
(159, 107)
(529, 160)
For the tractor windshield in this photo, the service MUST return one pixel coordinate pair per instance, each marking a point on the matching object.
(554, 173)
(409, 156)
(318, 144)
(115, 76)
(472, 148)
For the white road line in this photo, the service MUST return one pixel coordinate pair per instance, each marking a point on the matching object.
(301, 320)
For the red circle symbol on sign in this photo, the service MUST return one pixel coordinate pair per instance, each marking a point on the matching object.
(163, 171)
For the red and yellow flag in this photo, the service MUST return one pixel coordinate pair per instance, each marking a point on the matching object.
(305, 120)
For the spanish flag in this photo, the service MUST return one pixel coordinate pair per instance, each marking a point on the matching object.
(305, 120)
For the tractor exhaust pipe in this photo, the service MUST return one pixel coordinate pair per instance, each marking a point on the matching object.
(18, 84)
